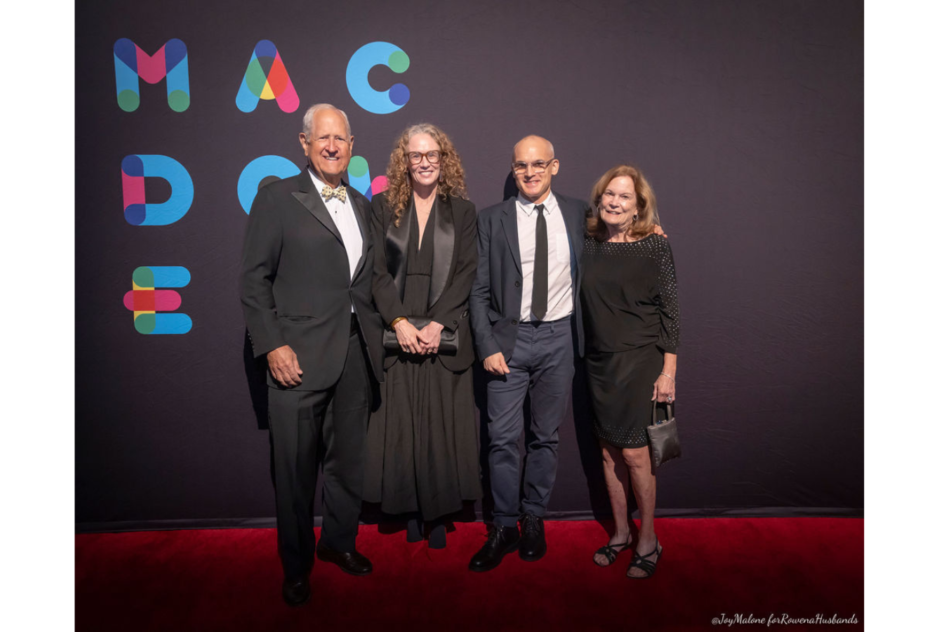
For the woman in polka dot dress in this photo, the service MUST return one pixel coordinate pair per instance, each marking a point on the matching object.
(631, 313)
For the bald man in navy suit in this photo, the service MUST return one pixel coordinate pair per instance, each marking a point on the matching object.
(526, 321)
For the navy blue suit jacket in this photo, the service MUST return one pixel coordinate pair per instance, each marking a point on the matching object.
(496, 297)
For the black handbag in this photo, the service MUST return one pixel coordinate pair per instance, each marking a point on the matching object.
(664, 438)
(448, 338)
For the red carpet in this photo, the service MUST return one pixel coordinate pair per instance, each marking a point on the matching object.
(230, 580)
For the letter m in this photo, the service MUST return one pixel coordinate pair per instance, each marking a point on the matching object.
(131, 64)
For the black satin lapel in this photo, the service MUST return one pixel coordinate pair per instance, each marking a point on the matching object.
(511, 226)
(314, 203)
(443, 250)
(396, 249)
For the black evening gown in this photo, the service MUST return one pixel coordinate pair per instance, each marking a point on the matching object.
(631, 318)
(423, 453)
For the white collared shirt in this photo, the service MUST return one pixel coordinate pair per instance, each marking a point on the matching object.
(344, 217)
(559, 258)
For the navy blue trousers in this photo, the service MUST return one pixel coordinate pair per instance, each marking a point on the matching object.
(542, 366)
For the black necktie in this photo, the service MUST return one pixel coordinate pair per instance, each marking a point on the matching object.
(540, 273)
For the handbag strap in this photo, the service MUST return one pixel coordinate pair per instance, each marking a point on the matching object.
(656, 422)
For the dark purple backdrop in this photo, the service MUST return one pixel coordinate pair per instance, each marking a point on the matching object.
(746, 116)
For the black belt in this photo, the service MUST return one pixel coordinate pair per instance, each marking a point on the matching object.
(536, 323)
(353, 324)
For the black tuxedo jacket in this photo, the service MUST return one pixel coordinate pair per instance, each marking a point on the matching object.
(452, 272)
(295, 282)
(496, 298)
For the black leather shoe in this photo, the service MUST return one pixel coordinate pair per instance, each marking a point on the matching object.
(354, 563)
(499, 542)
(532, 545)
(296, 592)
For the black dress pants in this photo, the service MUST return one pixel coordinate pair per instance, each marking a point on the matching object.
(301, 432)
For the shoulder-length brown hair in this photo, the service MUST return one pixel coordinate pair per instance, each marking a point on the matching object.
(647, 215)
(399, 179)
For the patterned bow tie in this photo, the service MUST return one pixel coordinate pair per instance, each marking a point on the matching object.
(339, 192)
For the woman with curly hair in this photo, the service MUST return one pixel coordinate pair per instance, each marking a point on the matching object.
(423, 455)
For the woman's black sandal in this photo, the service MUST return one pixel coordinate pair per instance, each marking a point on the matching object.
(610, 551)
(645, 565)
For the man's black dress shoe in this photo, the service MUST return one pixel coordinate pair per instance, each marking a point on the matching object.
(532, 545)
(354, 563)
(499, 542)
(296, 592)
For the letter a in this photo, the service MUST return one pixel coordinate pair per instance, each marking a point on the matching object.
(266, 78)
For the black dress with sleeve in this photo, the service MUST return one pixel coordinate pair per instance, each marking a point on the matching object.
(631, 318)
(422, 451)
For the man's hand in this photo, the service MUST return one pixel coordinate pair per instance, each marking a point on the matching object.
(407, 337)
(496, 364)
(429, 338)
(659, 230)
(284, 366)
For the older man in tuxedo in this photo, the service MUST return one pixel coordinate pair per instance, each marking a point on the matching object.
(306, 290)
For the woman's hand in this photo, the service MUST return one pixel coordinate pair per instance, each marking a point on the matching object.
(430, 338)
(664, 390)
(407, 337)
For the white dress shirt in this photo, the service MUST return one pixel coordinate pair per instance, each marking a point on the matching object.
(344, 217)
(559, 258)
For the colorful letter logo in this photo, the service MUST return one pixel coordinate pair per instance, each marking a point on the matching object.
(131, 63)
(259, 172)
(357, 77)
(145, 300)
(266, 78)
(134, 169)
(358, 171)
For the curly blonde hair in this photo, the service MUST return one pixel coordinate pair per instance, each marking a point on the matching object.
(647, 213)
(399, 177)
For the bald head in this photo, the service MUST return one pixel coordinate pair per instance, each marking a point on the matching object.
(539, 145)
(533, 165)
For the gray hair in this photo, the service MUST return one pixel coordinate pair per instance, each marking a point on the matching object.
(312, 112)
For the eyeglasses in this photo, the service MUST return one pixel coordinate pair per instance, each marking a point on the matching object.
(433, 157)
(539, 166)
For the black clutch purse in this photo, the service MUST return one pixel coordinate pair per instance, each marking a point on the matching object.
(448, 338)
(664, 438)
